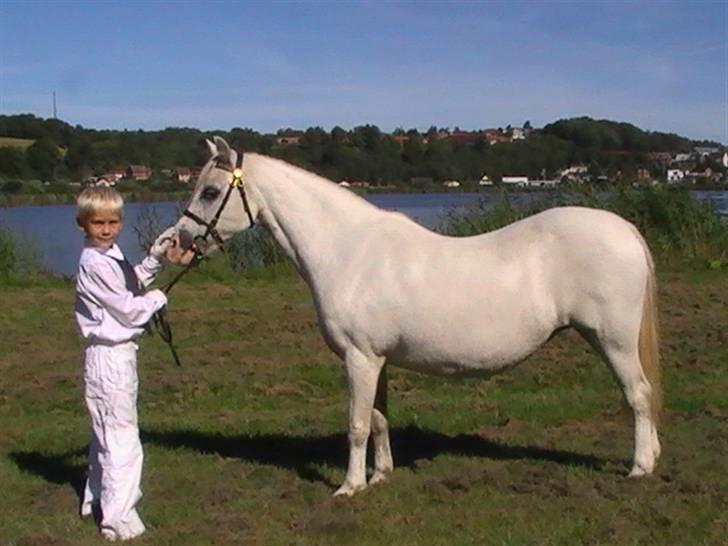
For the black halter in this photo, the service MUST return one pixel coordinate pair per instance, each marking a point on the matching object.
(236, 182)
(159, 319)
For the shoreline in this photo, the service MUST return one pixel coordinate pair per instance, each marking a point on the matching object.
(43, 200)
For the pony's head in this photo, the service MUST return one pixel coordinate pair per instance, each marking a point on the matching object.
(219, 207)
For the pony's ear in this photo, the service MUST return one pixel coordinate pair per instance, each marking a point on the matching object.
(224, 153)
(211, 146)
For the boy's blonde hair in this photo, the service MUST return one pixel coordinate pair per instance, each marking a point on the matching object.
(94, 199)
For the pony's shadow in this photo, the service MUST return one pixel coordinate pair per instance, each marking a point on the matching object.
(302, 454)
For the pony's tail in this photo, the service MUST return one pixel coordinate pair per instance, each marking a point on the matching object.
(649, 338)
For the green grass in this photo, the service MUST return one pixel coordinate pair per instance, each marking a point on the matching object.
(247, 441)
(10, 142)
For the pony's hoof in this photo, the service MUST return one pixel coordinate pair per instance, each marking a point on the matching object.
(379, 477)
(348, 490)
(638, 472)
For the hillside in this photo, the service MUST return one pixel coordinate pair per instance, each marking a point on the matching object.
(53, 150)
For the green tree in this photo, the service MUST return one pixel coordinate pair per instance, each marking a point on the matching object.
(12, 163)
(43, 156)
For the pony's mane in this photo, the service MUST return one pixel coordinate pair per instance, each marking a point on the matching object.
(318, 183)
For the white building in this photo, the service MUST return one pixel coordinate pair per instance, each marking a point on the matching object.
(519, 181)
(543, 183)
(675, 175)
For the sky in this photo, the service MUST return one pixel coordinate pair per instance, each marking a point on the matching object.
(219, 64)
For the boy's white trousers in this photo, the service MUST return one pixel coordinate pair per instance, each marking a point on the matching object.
(115, 452)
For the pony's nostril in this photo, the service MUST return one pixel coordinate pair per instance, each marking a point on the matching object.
(185, 239)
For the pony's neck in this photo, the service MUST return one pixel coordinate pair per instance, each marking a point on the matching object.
(307, 214)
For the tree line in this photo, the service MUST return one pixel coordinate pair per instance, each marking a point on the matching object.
(60, 152)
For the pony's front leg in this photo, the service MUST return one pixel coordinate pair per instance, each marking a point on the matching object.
(362, 373)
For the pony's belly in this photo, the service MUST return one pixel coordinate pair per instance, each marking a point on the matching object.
(449, 369)
(451, 363)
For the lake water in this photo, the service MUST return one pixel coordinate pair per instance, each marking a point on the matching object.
(51, 230)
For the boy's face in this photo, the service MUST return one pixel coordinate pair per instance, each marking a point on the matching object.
(102, 228)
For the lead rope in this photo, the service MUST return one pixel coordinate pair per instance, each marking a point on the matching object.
(159, 318)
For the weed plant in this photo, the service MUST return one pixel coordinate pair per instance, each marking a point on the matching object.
(19, 257)
(680, 230)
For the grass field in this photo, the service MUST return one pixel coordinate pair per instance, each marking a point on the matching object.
(246, 442)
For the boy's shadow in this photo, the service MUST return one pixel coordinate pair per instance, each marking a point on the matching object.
(59, 469)
(302, 454)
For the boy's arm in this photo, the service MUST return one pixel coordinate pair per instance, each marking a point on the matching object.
(105, 284)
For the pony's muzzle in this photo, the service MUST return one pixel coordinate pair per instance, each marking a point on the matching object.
(186, 239)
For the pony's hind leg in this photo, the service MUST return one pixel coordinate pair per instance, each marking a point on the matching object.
(638, 392)
(362, 374)
(383, 463)
(626, 366)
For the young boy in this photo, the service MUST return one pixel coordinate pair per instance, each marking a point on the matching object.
(112, 310)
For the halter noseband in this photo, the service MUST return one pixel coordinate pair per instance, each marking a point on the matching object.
(236, 182)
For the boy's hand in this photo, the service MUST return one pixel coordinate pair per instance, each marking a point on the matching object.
(162, 243)
(177, 255)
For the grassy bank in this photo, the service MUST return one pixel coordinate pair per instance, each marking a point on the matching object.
(246, 442)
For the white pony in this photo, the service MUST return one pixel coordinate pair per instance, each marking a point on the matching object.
(388, 290)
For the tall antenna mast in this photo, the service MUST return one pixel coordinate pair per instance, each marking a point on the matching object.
(54, 106)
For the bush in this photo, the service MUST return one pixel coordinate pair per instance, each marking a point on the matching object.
(254, 248)
(19, 256)
(678, 228)
(7, 253)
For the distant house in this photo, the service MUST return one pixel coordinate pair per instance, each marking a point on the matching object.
(681, 158)
(725, 159)
(705, 151)
(182, 174)
(543, 183)
(451, 184)
(464, 136)
(288, 140)
(518, 181)
(574, 173)
(518, 133)
(344, 184)
(675, 175)
(138, 172)
(113, 175)
(643, 175)
(102, 181)
(485, 181)
(660, 157)
(493, 136)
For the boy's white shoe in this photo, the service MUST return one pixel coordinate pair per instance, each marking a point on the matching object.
(130, 530)
(113, 536)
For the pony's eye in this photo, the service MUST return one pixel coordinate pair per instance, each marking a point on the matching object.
(210, 193)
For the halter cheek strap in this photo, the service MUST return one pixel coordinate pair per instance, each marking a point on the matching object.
(236, 182)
